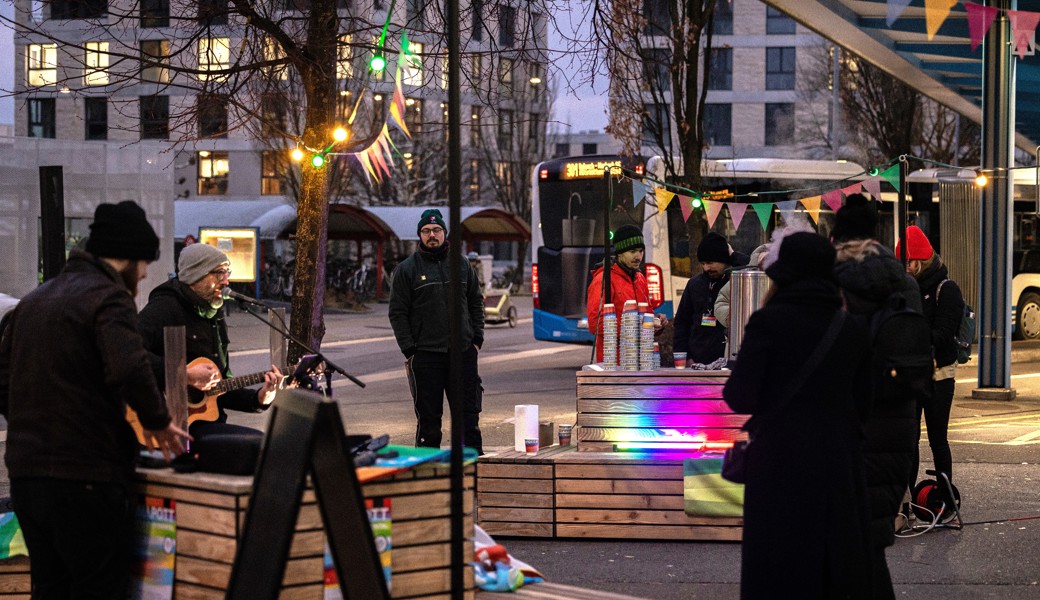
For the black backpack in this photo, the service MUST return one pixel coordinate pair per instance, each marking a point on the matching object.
(903, 356)
(965, 336)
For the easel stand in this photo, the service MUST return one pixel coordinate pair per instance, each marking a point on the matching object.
(305, 435)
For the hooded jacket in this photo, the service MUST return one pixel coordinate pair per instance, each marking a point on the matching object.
(944, 310)
(623, 286)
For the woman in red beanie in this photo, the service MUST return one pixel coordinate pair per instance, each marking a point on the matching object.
(943, 305)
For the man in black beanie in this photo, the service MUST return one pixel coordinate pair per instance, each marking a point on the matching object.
(697, 332)
(418, 296)
(71, 362)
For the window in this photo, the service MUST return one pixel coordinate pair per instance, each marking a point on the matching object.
(657, 72)
(534, 128)
(474, 175)
(344, 68)
(723, 17)
(504, 172)
(155, 117)
(657, 126)
(476, 68)
(272, 172)
(42, 64)
(155, 13)
(589, 148)
(779, 124)
(95, 117)
(155, 61)
(658, 19)
(214, 55)
(721, 75)
(474, 127)
(78, 9)
(41, 118)
(562, 150)
(416, 13)
(212, 12)
(273, 122)
(95, 63)
(506, 26)
(444, 68)
(505, 76)
(505, 130)
(411, 74)
(213, 173)
(444, 123)
(780, 64)
(413, 113)
(718, 124)
(777, 22)
(477, 9)
(212, 113)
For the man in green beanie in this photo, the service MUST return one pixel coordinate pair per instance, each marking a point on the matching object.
(419, 316)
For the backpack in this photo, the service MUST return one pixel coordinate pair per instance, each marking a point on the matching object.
(902, 343)
(965, 335)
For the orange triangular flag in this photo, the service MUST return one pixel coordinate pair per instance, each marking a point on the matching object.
(812, 205)
(664, 197)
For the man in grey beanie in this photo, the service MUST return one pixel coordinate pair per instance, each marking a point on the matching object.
(195, 300)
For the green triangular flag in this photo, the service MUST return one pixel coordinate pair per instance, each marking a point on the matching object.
(891, 175)
(764, 210)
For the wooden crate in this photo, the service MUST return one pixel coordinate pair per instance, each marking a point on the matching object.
(515, 493)
(14, 578)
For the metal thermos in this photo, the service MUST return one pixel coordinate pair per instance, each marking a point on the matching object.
(747, 293)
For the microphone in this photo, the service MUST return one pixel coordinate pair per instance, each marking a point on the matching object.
(231, 294)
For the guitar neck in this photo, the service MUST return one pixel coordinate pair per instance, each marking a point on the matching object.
(236, 383)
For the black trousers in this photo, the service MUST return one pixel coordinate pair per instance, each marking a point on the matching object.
(937, 421)
(80, 537)
(430, 371)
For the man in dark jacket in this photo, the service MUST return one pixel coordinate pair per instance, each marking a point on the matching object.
(194, 300)
(697, 331)
(419, 316)
(71, 361)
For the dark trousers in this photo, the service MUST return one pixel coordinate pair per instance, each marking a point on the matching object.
(79, 535)
(937, 421)
(430, 371)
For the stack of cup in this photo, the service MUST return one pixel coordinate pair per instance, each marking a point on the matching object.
(646, 339)
(628, 348)
(610, 338)
(657, 357)
(565, 435)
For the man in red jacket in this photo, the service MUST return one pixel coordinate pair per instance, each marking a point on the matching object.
(627, 282)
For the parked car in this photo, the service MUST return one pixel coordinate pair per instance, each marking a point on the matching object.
(1025, 294)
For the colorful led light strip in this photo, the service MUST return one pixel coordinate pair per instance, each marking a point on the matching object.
(696, 446)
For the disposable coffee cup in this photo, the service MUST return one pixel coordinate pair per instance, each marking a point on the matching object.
(680, 360)
(565, 435)
(531, 446)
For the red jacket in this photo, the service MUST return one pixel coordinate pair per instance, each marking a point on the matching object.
(622, 287)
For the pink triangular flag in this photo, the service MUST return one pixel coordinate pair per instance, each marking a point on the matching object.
(812, 205)
(935, 13)
(736, 212)
(686, 206)
(764, 210)
(895, 9)
(664, 197)
(711, 211)
(852, 189)
(832, 200)
(1023, 26)
(873, 186)
(980, 19)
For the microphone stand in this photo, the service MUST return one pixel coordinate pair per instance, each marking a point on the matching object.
(328, 363)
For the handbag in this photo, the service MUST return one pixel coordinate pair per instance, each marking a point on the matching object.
(734, 461)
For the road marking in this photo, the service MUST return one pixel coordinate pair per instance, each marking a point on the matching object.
(1024, 439)
(1021, 376)
(958, 423)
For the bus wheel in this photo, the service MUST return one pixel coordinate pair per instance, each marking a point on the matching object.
(1028, 322)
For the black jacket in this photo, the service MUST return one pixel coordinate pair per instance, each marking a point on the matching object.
(174, 303)
(70, 364)
(805, 464)
(943, 310)
(419, 303)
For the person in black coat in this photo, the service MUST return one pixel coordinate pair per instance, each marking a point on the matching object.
(944, 309)
(806, 519)
(869, 276)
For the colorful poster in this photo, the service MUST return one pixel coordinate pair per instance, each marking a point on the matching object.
(379, 518)
(11, 541)
(156, 551)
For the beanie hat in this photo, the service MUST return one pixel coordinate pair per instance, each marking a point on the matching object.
(430, 216)
(713, 248)
(917, 245)
(803, 255)
(122, 231)
(857, 220)
(628, 237)
(197, 260)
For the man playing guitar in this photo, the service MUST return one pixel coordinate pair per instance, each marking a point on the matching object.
(194, 300)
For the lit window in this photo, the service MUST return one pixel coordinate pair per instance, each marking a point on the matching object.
(412, 72)
(474, 175)
(155, 60)
(96, 63)
(214, 55)
(273, 52)
(444, 69)
(213, 172)
(42, 67)
(344, 70)
(273, 170)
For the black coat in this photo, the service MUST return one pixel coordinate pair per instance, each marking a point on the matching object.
(943, 310)
(174, 303)
(70, 364)
(806, 521)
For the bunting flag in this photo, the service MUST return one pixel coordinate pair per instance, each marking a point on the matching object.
(764, 210)
(785, 208)
(852, 189)
(686, 206)
(736, 212)
(895, 10)
(812, 205)
(832, 200)
(639, 191)
(664, 198)
(980, 19)
(1023, 26)
(711, 211)
(873, 187)
(397, 106)
(891, 175)
(935, 13)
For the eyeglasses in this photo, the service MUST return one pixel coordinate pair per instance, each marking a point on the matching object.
(221, 273)
(431, 231)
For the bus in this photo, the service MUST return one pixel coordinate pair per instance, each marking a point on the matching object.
(567, 208)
